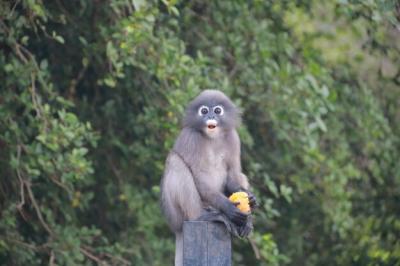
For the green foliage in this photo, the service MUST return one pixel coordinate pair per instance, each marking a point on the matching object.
(91, 100)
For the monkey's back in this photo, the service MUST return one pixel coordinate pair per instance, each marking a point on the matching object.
(180, 199)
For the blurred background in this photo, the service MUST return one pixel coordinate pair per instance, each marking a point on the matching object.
(92, 93)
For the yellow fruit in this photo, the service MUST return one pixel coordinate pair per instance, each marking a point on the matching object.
(243, 199)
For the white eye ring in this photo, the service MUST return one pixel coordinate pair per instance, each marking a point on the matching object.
(221, 112)
(203, 110)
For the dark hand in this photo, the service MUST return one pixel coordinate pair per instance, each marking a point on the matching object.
(234, 214)
(252, 200)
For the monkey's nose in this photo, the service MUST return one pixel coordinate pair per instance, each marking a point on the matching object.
(211, 123)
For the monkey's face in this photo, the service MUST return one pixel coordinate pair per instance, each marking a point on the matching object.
(211, 113)
(211, 117)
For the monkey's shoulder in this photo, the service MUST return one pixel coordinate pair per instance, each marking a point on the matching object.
(232, 137)
(175, 159)
(176, 170)
(188, 141)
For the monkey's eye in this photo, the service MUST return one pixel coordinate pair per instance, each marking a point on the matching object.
(219, 110)
(203, 110)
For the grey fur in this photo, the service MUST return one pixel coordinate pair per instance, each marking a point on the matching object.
(201, 168)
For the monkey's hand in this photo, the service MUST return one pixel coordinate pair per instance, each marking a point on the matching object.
(252, 200)
(234, 214)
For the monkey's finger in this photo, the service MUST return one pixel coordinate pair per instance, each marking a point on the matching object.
(240, 221)
(241, 216)
(252, 199)
(245, 231)
(250, 195)
(253, 202)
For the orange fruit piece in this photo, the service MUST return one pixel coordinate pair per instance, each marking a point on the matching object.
(243, 199)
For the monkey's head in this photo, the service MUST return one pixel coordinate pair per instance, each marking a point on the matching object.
(212, 113)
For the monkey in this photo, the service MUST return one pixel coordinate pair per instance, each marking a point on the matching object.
(204, 166)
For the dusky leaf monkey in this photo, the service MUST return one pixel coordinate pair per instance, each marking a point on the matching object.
(204, 167)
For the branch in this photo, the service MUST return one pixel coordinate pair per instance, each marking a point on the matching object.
(52, 259)
(26, 57)
(75, 81)
(114, 169)
(13, 8)
(32, 89)
(60, 184)
(255, 248)
(20, 54)
(23, 53)
(122, 260)
(93, 257)
(22, 191)
(37, 209)
(41, 248)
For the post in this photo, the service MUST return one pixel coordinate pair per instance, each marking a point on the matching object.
(206, 244)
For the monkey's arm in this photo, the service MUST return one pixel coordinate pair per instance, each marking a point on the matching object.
(219, 201)
(237, 181)
(233, 186)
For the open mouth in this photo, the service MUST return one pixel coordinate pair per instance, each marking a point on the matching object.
(211, 124)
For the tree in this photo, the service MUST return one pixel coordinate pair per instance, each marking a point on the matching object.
(92, 96)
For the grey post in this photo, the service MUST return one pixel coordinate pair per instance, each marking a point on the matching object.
(206, 244)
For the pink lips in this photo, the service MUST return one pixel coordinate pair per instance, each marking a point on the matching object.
(211, 124)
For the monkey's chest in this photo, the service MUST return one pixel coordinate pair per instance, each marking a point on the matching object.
(215, 168)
